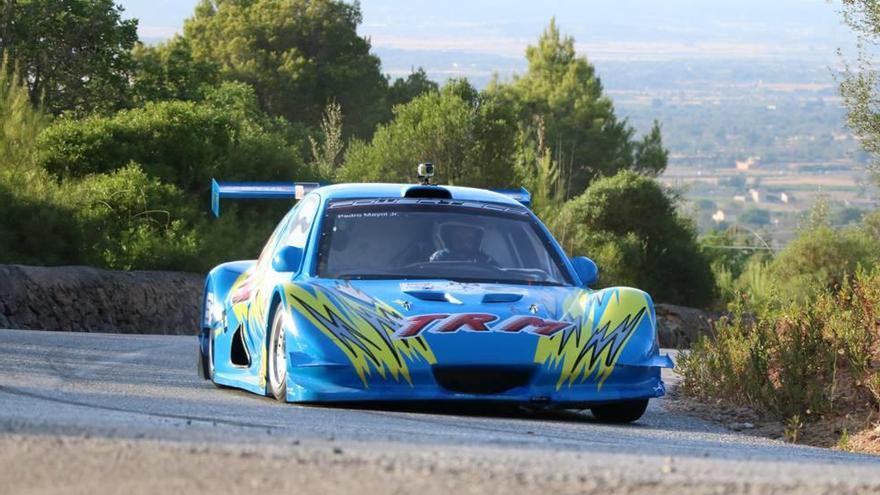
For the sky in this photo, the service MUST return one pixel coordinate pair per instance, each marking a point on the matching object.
(489, 36)
(504, 27)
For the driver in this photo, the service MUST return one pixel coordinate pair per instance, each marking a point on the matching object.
(461, 242)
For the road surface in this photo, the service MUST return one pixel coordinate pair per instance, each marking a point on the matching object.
(102, 413)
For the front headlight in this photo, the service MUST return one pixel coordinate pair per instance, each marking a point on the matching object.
(214, 311)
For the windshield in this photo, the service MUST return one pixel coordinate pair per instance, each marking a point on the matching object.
(436, 239)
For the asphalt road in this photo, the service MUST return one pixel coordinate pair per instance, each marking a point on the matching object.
(89, 413)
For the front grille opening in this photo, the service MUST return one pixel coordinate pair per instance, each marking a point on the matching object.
(482, 379)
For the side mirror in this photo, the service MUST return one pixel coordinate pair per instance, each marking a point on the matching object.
(586, 270)
(287, 259)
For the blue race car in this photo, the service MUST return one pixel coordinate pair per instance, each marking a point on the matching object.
(396, 292)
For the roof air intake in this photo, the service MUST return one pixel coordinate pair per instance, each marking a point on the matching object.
(427, 192)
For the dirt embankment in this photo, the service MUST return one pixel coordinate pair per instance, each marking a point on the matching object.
(84, 299)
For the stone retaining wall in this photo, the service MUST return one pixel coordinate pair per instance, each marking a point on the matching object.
(84, 299)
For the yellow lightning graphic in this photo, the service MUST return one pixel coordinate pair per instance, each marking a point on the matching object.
(362, 330)
(603, 324)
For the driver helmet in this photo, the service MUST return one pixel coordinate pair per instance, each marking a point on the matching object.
(460, 237)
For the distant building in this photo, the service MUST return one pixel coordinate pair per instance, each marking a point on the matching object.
(745, 165)
(719, 216)
(755, 195)
(739, 198)
(784, 198)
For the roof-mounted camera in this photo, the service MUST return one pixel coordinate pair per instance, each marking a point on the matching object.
(426, 171)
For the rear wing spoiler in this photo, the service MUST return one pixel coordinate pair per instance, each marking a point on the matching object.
(522, 195)
(258, 190)
(297, 190)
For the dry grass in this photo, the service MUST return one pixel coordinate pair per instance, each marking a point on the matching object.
(812, 369)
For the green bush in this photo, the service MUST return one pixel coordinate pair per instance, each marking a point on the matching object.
(35, 230)
(129, 219)
(794, 359)
(630, 225)
(180, 143)
(871, 225)
(130, 191)
(821, 257)
(739, 264)
(755, 216)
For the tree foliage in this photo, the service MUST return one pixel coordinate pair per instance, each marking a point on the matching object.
(649, 155)
(28, 212)
(74, 55)
(257, 90)
(586, 137)
(167, 71)
(184, 143)
(20, 123)
(822, 257)
(860, 85)
(299, 55)
(406, 90)
(630, 225)
(467, 136)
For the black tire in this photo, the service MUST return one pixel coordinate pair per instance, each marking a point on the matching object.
(276, 369)
(620, 412)
(206, 360)
(205, 364)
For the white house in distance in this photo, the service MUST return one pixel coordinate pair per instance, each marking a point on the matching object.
(719, 216)
(755, 195)
(745, 165)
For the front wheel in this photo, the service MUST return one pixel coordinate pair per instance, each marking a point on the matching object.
(209, 322)
(620, 412)
(277, 355)
(206, 360)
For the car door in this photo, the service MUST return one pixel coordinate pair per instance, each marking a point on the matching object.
(293, 231)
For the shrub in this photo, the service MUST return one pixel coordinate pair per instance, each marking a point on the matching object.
(630, 224)
(794, 359)
(729, 254)
(821, 257)
(180, 143)
(871, 225)
(130, 220)
(35, 230)
(755, 216)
